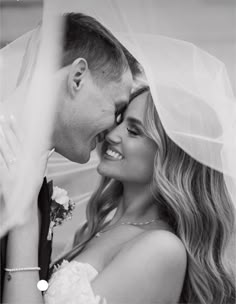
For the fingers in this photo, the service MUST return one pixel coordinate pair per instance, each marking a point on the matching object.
(101, 300)
(15, 129)
(8, 140)
(11, 131)
(7, 156)
(7, 134)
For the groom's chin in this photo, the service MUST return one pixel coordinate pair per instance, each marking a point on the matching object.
(83, 160)
(83, 157)
(80, 158)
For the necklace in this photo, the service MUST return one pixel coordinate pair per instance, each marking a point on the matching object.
(98, 234)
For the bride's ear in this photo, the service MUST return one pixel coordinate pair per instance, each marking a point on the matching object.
(77, 72)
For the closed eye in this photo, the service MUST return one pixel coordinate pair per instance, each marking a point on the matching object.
(133, 132)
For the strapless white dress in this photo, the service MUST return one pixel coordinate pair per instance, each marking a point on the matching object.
(70, 284)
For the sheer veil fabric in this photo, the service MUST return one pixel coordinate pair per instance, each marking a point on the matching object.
(190, 87)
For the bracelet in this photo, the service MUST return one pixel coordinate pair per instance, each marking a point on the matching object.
(9, 270)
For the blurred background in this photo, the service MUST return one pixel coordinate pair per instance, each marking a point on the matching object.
(210, 24)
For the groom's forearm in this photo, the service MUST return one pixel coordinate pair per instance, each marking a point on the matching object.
(22, 251)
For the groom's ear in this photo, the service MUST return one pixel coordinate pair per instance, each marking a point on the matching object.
(77, 72)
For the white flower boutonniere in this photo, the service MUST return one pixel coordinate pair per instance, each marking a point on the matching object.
(61, 208)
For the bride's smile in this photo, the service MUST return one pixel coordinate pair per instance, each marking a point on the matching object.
(112, 154)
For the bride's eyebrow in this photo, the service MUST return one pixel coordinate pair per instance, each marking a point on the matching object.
(135, 121)
(138, 92)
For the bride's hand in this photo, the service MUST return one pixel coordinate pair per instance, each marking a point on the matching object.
(23, 174)
(14, 154)
(10, 143)
(101, 300)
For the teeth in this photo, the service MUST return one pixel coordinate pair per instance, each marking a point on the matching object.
(113, 154)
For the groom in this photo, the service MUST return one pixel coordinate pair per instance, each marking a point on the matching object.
(94, 85)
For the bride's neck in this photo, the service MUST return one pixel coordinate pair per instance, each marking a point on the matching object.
(136, 205)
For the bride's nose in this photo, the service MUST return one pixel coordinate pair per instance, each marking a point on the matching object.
(114, 135)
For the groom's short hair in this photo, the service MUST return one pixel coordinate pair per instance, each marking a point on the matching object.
(85, 37)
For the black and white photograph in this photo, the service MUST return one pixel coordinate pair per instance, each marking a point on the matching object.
(118, 151)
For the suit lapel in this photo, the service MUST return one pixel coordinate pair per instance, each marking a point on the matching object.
(45, 246)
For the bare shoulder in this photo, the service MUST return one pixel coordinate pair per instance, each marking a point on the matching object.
(159, 246)
(158, 241)
(160, 258)
(151, 266)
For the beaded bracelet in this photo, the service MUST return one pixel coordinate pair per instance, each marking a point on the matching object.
(9, 270)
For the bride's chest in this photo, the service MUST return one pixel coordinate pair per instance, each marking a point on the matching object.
(100, 251)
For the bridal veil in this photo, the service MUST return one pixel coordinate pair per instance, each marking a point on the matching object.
(190, 88)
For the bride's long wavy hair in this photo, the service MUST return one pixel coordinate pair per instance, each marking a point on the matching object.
(193, 200)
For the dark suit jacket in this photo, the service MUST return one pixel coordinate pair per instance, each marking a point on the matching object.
(45, 246)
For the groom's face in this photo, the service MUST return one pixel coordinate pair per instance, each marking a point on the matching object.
(91, 113)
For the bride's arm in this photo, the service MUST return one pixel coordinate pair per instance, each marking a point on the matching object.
(23, 240)
(22, 251)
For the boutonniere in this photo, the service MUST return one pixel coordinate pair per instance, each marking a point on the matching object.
(61, 207)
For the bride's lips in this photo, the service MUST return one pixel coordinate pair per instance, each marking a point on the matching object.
(111, 153)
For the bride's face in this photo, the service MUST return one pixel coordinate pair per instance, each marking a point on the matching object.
(128, 154)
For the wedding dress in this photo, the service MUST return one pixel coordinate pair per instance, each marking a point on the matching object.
(70, 283)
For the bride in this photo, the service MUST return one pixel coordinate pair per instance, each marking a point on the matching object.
(166, 241)
(159, 224)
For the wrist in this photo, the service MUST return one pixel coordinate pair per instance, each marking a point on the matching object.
(31, 222)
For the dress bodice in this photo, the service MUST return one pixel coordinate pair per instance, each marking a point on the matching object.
(70, 284)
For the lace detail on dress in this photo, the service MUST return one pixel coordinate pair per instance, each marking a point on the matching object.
(70, 284)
